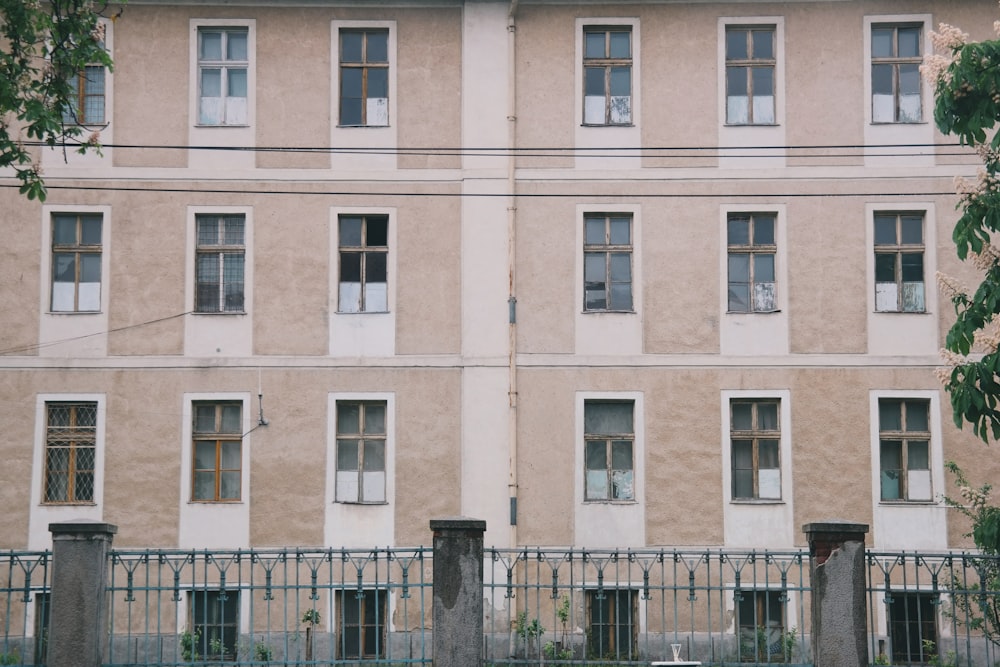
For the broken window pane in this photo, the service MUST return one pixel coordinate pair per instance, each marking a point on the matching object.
(739, 297)
(763, 297)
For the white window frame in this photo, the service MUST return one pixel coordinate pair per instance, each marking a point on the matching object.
(42, 513)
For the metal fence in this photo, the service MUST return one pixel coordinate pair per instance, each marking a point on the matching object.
(541, 606)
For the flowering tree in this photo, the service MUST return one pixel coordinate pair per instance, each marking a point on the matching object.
(966, 77)
(43, 48)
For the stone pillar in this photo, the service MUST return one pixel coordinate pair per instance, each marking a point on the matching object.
(458, 592)
(839, 611)
(78, 615)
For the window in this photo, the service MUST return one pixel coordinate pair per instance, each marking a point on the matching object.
(755, 437)
(364, 255)
(613, 627)
(899, 262)
(87, 96)
(904, 449)
(217, 434)
(76, 262)
(70, 449)
(761, 620)
(607, 263)
(223, 64)
(364, 78)
(750, 80)
(607, 75)
(752, 251)
(220, 257)
(215, 619)
(896, 60)
(912, 623)
(609, 436)
(362, 623)
(361, 439)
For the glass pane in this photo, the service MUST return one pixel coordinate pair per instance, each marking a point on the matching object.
(594, 231)
(621, 267)
(621, 81)
(763, 81)
(350, 231)
(916, 455)
(882, 80)
(64, 230)
(739, 297)
(229, 488)
(204, 418)
(621, 455)
(597, 455)
(211, 46)
(594, 45)
(211, 83)
(738, 231)
(763, 230)
(597, 485)
(621, 231)
(375, 269)
(350, 110)
(736, 81)
(595, 268)
(621, 296)
(374, 455)
(237, 83)
(348, 418)
(204, 455)
(912, 266)
(203, 486)
(377, 232)
(64, 267)
(885, 267)
(378, 82)
(885, 230)
(233, 230)
(350, 47)
(230, 459)
(736, 44)
(763, 268)
(231, 419)
(236, 45)
(374, 419)
(767, 416)
(763, 44)
(890, 415)
(350, 267)
(912, 229)
(90, 268)
(916, 416)
(739, 267)
(621, 44)
(743, 484)
(90, 227)
(742, 416)
(347, 454)
(594, 81)
(378, 47)
(882, 42)
(767, 454)
(909, 79)
(607, 418)
(742, 454)
(622, 487)
(909, 42)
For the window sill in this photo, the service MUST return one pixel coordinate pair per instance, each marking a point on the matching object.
(753, 312)
(361, 503)
(756, 501)
(897, 123)
(215, 502)
(624, 125)
(363, 127)
(609, 312)
(85, 503)
(611, 502)
(363, 312)
(908, 503)
(74, 312)
(218, 312)
(902, 312)
(751, 124)
(210, 127)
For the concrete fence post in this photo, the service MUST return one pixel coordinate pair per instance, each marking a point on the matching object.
(78, 612)
(457, 608)
(839, 612)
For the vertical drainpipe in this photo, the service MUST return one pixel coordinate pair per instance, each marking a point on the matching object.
(512, 297)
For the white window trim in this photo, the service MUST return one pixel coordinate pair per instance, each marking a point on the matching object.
(926, 91)
(382, 136)
(778, 23)
(935, 455)
(222, 135)
(930, 255)
(40, 513)
(785, 444)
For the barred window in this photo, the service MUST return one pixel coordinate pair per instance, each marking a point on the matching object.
(613, 628)
(70, 449)
(215, 618)
(76, 262)
(607, 262)
(218, 454)
(364, 78)
(755, 437)
(87, 96)
(364, 255)
(361, 434)
(220, 260)
(362, 623)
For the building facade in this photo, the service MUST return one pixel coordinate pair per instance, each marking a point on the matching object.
(602, 274)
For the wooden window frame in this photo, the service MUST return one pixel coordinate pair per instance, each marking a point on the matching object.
(82, 86)
(362, 438)
(898, 250)
(895, 61)
(755, 435)
(364, 251)
(77, 438)
(219, 250)
(363, 598)
(615, 624)
(203, 648)
(608, 63)
(78, 248)
(754, 648)
(753, 249)
(609, 440)
(219, 438)
(905, 437)
(609, 249)
(365, 66)
(749, 64)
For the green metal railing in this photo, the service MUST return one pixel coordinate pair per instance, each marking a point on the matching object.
(24, 597)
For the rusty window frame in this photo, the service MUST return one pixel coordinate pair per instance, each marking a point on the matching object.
(362, 438)
(898, 250)
(607, 63)
(894, 61)
(755, 435)
(78, 248)
(366, 66)
(753, 249)
(219, 438)
(905, 437)
(77, 438)
(749, 64)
